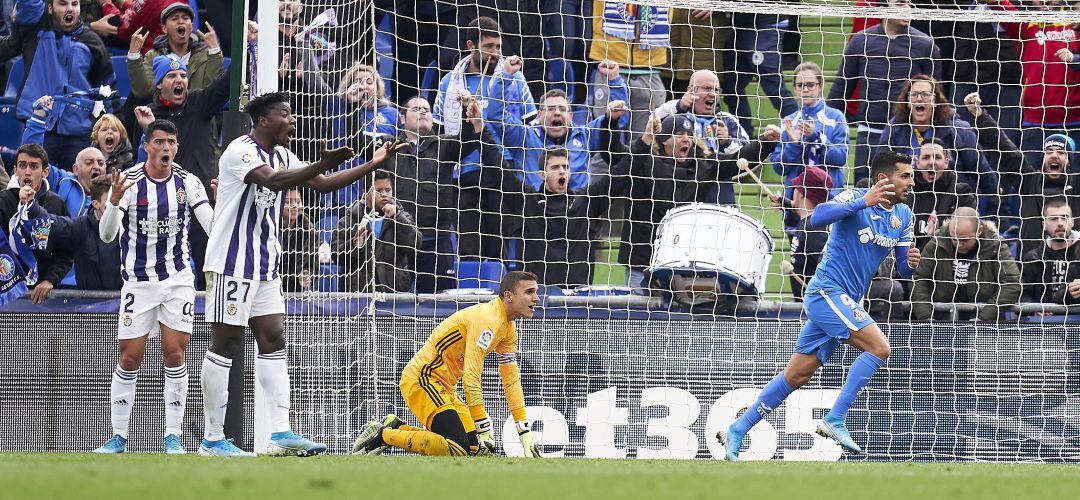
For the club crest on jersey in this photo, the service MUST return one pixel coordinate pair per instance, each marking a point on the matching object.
(231, 309)
(181, 196)
(485, 339)
(127, 320)
(894, 221)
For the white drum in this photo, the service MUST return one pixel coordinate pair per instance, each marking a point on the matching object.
(703, 237)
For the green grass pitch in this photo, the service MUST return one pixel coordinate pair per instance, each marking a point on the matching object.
(86, 476)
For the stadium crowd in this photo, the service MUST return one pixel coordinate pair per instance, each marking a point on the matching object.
(541, 131)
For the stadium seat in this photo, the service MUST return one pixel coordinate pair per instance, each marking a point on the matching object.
(123, 81)
(479, 273)
(15, 78)
(328, 279)
(10, 132)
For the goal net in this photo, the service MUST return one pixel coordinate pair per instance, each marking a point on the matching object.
(602, 154)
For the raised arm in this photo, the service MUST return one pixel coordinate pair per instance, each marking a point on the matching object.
(847, 203)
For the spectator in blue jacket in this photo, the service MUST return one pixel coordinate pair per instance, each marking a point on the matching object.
(72, 186)
(523, 144)
(814, 136)
(877, 61)
(923, 111)
(61, 57)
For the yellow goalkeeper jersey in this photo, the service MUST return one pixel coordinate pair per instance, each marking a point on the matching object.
(456, 351)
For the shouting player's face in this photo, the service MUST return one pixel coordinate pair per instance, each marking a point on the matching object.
(281, 123)
(902, 179)
(523, 300)
(160, 149)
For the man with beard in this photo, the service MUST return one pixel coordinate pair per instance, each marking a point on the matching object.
(479, 222)
(524, 144)
(866, 225)
(61, 55)
(31, 168)
(1045, 268)
(1053, 180)
(937, 193)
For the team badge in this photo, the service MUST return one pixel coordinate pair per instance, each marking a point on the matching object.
(231, 310)
(127, 320)
(181, 196)
(7, 268)
(247, 158)
(485, 339)
(174, 65)
(859, 315)
(894, 221)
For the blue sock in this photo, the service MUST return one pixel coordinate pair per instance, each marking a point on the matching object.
(774, 393)
(861, 370)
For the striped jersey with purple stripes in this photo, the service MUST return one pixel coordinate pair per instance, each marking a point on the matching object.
(244, 240)
(154, 228)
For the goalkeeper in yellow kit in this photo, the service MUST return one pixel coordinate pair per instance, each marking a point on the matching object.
(455, 352)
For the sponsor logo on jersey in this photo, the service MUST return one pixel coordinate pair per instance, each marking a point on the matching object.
(866, 235)
(485, 339)
(168, 225)
(247, 158)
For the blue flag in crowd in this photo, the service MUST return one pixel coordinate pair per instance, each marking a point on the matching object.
(18, 265)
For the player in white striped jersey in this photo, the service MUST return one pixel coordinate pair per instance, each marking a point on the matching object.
(242, 285)
(151, 206)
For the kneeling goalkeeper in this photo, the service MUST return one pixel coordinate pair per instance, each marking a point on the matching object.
(455, 352)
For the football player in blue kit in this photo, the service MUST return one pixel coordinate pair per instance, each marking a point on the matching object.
(866, 224)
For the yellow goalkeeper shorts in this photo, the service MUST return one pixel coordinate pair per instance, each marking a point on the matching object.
(428, 397)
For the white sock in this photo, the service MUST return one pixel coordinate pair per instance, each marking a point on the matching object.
(215, 386)
(273, 373)
(176, 386)
(122, 397)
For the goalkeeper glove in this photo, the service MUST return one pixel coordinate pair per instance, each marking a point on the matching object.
(483, 435)
(526, 438)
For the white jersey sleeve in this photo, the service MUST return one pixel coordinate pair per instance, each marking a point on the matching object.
(239, 159)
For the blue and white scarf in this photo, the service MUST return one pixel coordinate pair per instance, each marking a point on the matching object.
(649, 26)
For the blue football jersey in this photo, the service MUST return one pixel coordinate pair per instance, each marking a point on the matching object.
(859, 243)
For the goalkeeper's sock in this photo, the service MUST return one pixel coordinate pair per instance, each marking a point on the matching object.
(176, 389)
(215, 386)
(122, 398)
(774, 393)
(862, 369)
(423, 442)
(272, 371)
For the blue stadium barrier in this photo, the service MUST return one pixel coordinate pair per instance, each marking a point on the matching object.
(479, 273)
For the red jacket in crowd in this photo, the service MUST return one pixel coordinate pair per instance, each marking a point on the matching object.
(135, 14)
(1051, 87)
